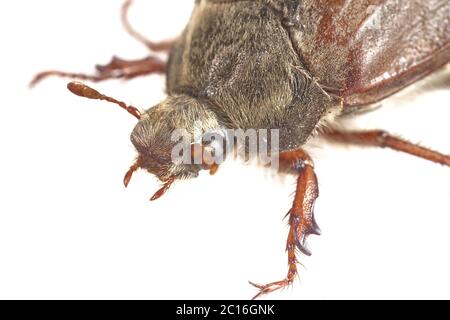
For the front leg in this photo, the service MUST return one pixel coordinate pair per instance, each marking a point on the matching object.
(116, 69)
(119, 68)
(301, 216)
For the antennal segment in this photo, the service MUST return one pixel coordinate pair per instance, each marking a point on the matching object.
(82, 90)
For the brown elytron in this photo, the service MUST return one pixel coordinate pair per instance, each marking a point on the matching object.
(279, 64)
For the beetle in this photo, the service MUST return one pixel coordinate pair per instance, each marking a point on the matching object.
(294, 66)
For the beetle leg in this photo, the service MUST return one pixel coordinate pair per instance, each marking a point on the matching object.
(379, 138)
(153, 46)
(116, 69)
(132, 68)
(301, 216)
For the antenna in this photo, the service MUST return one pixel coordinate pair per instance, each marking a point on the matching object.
(82, 90)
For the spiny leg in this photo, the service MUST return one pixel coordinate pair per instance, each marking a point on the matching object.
(301, 216)
(119, 68)
(116, 69)
(379, 138)
(153, 46)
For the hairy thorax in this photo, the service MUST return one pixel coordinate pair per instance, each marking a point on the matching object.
(239, 58)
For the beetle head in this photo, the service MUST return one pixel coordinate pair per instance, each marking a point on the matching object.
(165, 131)
(177, 125)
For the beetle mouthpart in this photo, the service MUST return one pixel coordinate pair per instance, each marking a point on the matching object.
(127, 179)
(164, 189)
(84, 91)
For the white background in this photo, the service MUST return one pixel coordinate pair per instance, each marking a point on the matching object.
(69, 229)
